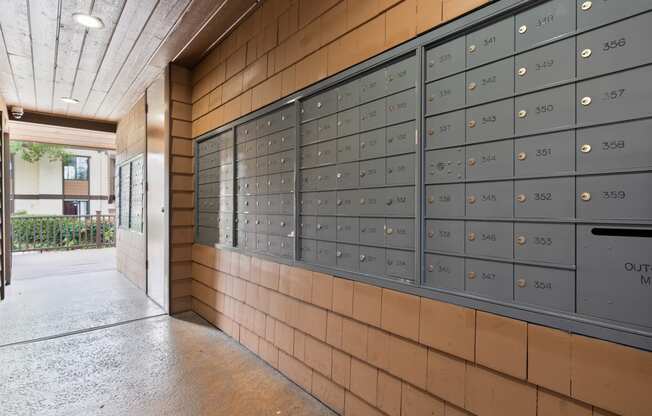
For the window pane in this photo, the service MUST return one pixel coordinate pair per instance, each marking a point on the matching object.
(82, 169)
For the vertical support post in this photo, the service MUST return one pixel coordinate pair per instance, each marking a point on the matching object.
(98, 227)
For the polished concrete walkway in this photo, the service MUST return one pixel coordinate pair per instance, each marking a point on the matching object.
(56, 293)
(155, 366)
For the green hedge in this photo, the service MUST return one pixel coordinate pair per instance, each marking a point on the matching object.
(58, 232)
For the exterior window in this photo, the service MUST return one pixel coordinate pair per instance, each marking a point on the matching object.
(75, 168)
(75, 207)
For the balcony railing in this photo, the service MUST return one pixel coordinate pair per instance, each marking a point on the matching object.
(62, 232)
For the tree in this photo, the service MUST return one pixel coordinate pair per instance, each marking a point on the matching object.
(32, 152)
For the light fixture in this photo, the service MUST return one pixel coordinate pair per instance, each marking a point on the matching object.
(91, 22)
(70, 100)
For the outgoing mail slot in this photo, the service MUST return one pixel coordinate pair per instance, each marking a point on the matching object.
(346, 256)
(348, 149)
(400, 264)
(309, 132)
(490, 160)
(308, 226)
(614, 273)
(372, 231)
(372, 260)
(348, 229)
(490, 82)
(547, 288)
(326, 228)
(327, 127)
(490, 121)
(545, 66)
(544, 110)
(372, 173)
(546, 154)
(320, 105)
(401, 107)
(490, 43)
(614, 147)
(400, 170)
(373, 115)
(446, 130)
(549, 243)
(308, 250)
(444, 272)
(348, 175)
(443, 201)
(372, 144)
(620, 96)
(547, 21)
(445, 59)
(492, 239)
(490, 199)
(445, 165)
(490, 279)
(348, 122)
(326, 253)
(401, 138)
(545, 198)
(624, 196)
(348, 95)
(446, 94)
(446, 236)
(615, 47)
(399, 233)
(594, 13)
(401, 75)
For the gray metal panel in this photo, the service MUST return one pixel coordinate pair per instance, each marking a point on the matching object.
(209, 189)
(309, 132)
(614, 147)
(372, 173)
(286, 161)
(544, 110)
(620, 96)
(373, 115)
(490, 82)
(207, 236)
(348, 229)
(326, 228)
(207, 204)
(547, 21)
(401, 75)
(347, 203)
(444, 165)
(548, 243)
(372, 260)
(446, 94)
(625, 196)
(348, 175)
(401, 138)
(490, 121)
(326, 253)
(401, 107)
(287, 139)
(207, 219)
(490, 199)
(348, 149)
(308, 250)
(261, 224)
(446, 236)
(347, 257)
(400, 170)
(491, 279)
(547, 288)
(260, 184)
(372, 144)
(324, 178)
(545, 198)
(614, 275)
(308, 203)
(400, 264)
(398, 201)
(348, 95)
(211, 160)
(326, 203)
(308, 226)
(286, 246)
(372, 86)
(400, 233)
(208, 175)
(286, 203)
(246, 131)
(319, 105)
(444, 272)
(490, 43)
(372, 231)
(545, 66)
(546, 154)
(371, 202)
(490, 160)
(348, 122)
(309, 156)
(446, 59)
(446, 130)
(615, 47)
(445, 200)
(327, 152)
(261, 243)
(492, 239)
(286, 182)
(601, 12)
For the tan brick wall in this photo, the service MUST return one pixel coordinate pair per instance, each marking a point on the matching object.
(365, 350)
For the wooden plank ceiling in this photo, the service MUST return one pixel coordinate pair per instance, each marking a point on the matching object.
(46, 55)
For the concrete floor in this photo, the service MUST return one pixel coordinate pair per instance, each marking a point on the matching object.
(56, 293)
(155, 366)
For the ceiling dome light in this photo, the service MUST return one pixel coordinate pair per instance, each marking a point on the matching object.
(88, 21)
(70, 100)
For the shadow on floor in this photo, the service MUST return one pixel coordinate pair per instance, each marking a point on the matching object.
(56, 293)
(155, 366)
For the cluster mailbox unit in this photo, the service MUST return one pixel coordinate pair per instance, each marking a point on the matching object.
(502, 161)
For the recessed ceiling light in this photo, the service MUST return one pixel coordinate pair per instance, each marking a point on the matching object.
(70, 100)
(87, 20)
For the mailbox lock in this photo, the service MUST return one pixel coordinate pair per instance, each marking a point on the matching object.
(338, 253)
(472, 48)
(522, 71)
(362, 257)
(586, 53)
(269, 123)
(319, 227)
(319, 177)
(246, 131)
(522, 114)
(389, 201)
(319, 153)
(585, 148)
(319, 104)
(471, 236)
(319, 202)
(521, 282)
(282, 223)
(431, 268)
(282, 160)
(586, 101)
(389, 231)
(471, 275)
(472, 123)
(520, 240)
(586, 5)
(521, 198)
(362, 173)
(472, 86)
(283, 181)
(283, 117)
(362, 201)
(363, 145)
(269, 143)
(585, 196)
(283, 139)
(339, 123)
(471, 162)
(339, 175)
(246, 185)
(339, 202)
(431, 234)
(339, 228)
(269, 183)
(431, 132)
(431, 199)
(258, 222)
(471, 199)
(521, 156)
(522, 29)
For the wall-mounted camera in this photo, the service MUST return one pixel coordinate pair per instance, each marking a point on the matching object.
(17, 112)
